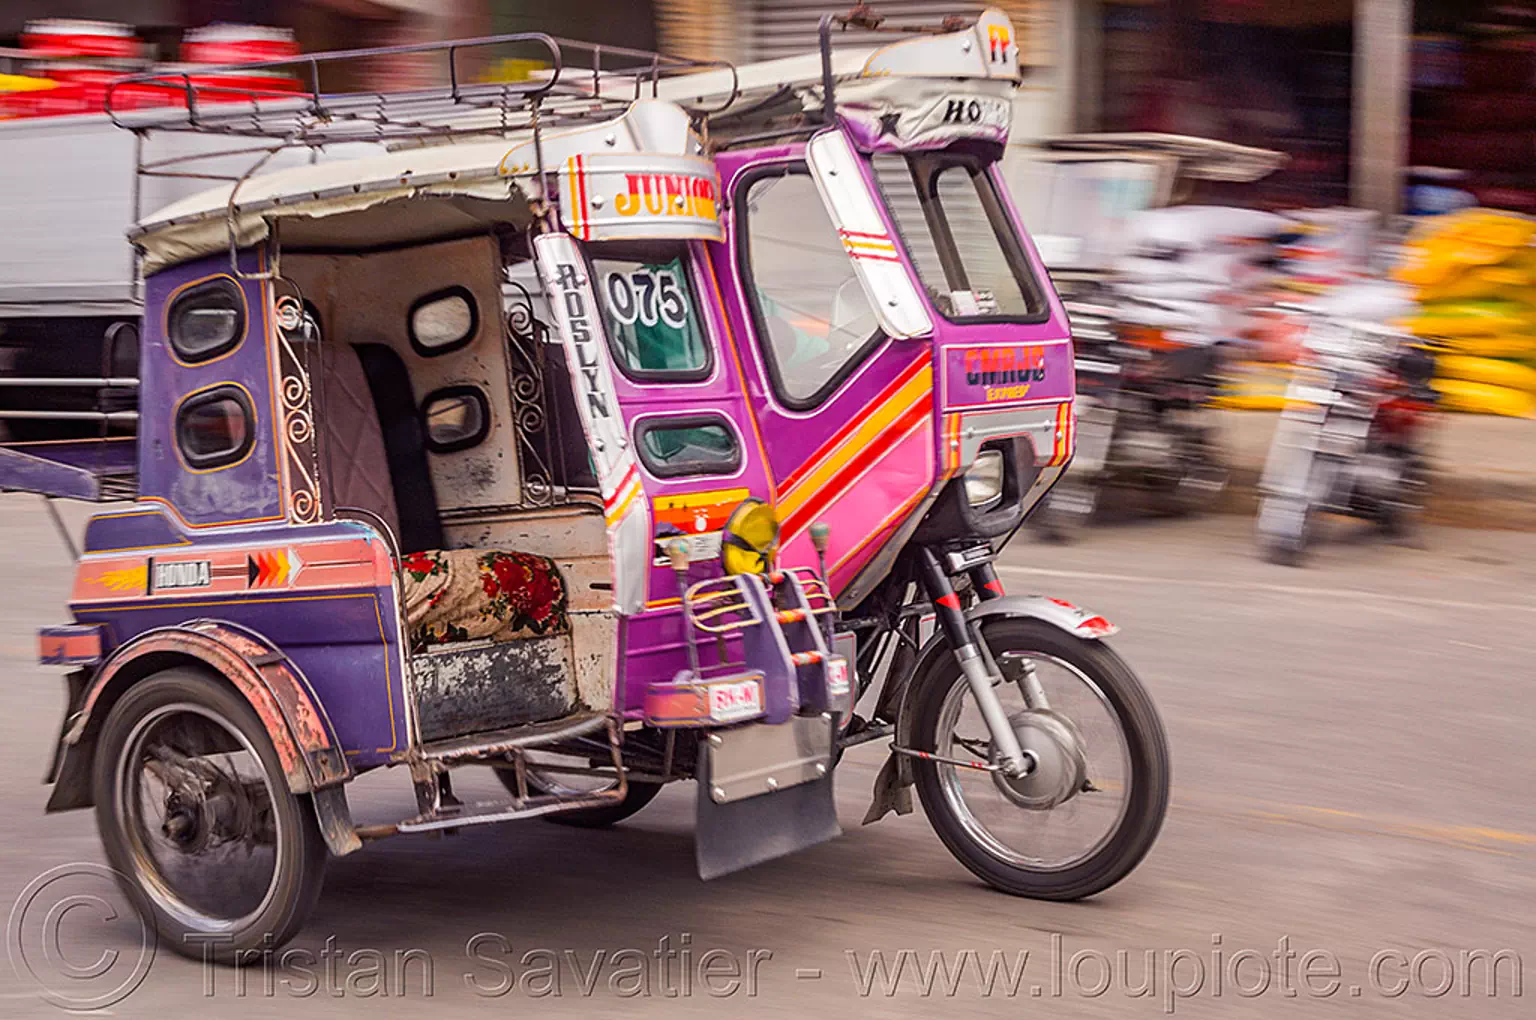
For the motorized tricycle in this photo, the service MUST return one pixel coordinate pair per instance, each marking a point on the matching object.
(608, 441)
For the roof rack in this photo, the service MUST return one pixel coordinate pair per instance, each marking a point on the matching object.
(261, 123)
(310, 117)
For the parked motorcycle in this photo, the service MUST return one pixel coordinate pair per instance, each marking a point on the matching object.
(1351, 439)
(1143, 421)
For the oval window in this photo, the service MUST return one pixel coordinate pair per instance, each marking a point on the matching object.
(443, 321)
(206, 320)
(215, 428)
(698, 444)
(455, 418)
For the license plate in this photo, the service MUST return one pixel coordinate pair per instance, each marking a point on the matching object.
(729, 702)
(837, 677)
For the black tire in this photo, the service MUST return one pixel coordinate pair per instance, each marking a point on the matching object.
(636, 796)
(1149, 771)
(1287, 549)
(299, 848)
(1399, 519)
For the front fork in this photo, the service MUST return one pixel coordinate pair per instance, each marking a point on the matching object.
(976, 663)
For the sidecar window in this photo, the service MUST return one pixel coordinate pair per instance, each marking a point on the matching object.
(812, 314)
(206, 320)
(653, 321)
(215, 428)
(455, 418)
(442, 321)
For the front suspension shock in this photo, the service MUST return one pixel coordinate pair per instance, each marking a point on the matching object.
(966, 646)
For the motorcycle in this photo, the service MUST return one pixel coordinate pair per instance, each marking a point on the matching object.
(1142, 397)
(1351, 437)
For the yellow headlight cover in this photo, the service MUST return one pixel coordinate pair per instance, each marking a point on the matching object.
(751, 535)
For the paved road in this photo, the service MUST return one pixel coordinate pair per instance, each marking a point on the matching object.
(1352, 781)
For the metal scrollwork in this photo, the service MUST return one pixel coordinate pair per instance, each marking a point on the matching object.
(298, 425)
(537, 443)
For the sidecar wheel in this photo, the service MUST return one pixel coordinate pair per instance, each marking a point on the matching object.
(196, 817)
(1092, 807)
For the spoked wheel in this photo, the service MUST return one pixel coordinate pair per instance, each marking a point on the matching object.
(195, 813)
(1092, 805)
(636, 796)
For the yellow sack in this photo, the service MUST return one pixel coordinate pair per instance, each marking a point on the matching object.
(1493, 371)
(1443, 246)
(1511, 345)
(1481, 398)
(1514, 279)
(1472, 318)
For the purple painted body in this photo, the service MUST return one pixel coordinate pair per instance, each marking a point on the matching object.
(243, 493)
(994, 374)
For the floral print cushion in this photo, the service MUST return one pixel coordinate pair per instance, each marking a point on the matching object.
(469, 594)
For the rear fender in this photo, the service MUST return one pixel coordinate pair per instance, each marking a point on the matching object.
(893, 785)
(307, 749)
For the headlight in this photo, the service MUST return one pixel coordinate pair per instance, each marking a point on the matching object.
(984, 481)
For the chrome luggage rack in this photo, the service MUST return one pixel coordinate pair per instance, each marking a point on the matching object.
(559, 95)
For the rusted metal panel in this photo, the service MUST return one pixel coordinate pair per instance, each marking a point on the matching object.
(308, 754)
(335, 819)
(594, 645)
(480, 687)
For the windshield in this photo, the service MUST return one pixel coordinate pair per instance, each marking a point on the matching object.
(959, 235)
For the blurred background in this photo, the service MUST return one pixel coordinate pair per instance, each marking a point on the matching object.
(1329, 82)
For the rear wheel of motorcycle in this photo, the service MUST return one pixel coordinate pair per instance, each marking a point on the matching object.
(1139, 783)
(1399, 518)
(197, 819)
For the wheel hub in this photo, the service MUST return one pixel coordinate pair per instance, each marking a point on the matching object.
(1060, 767)
(185, 824)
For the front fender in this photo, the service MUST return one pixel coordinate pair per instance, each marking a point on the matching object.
(1057, 612)
(306, 744)
(893, 785)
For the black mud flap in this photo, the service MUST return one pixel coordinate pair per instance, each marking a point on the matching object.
(736, 835)
(764, 791)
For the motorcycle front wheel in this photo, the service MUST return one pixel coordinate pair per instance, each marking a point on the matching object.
(1094, 801)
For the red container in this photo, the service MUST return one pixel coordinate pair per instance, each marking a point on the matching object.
(223, 44)
(237, 44)
(76, 37)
